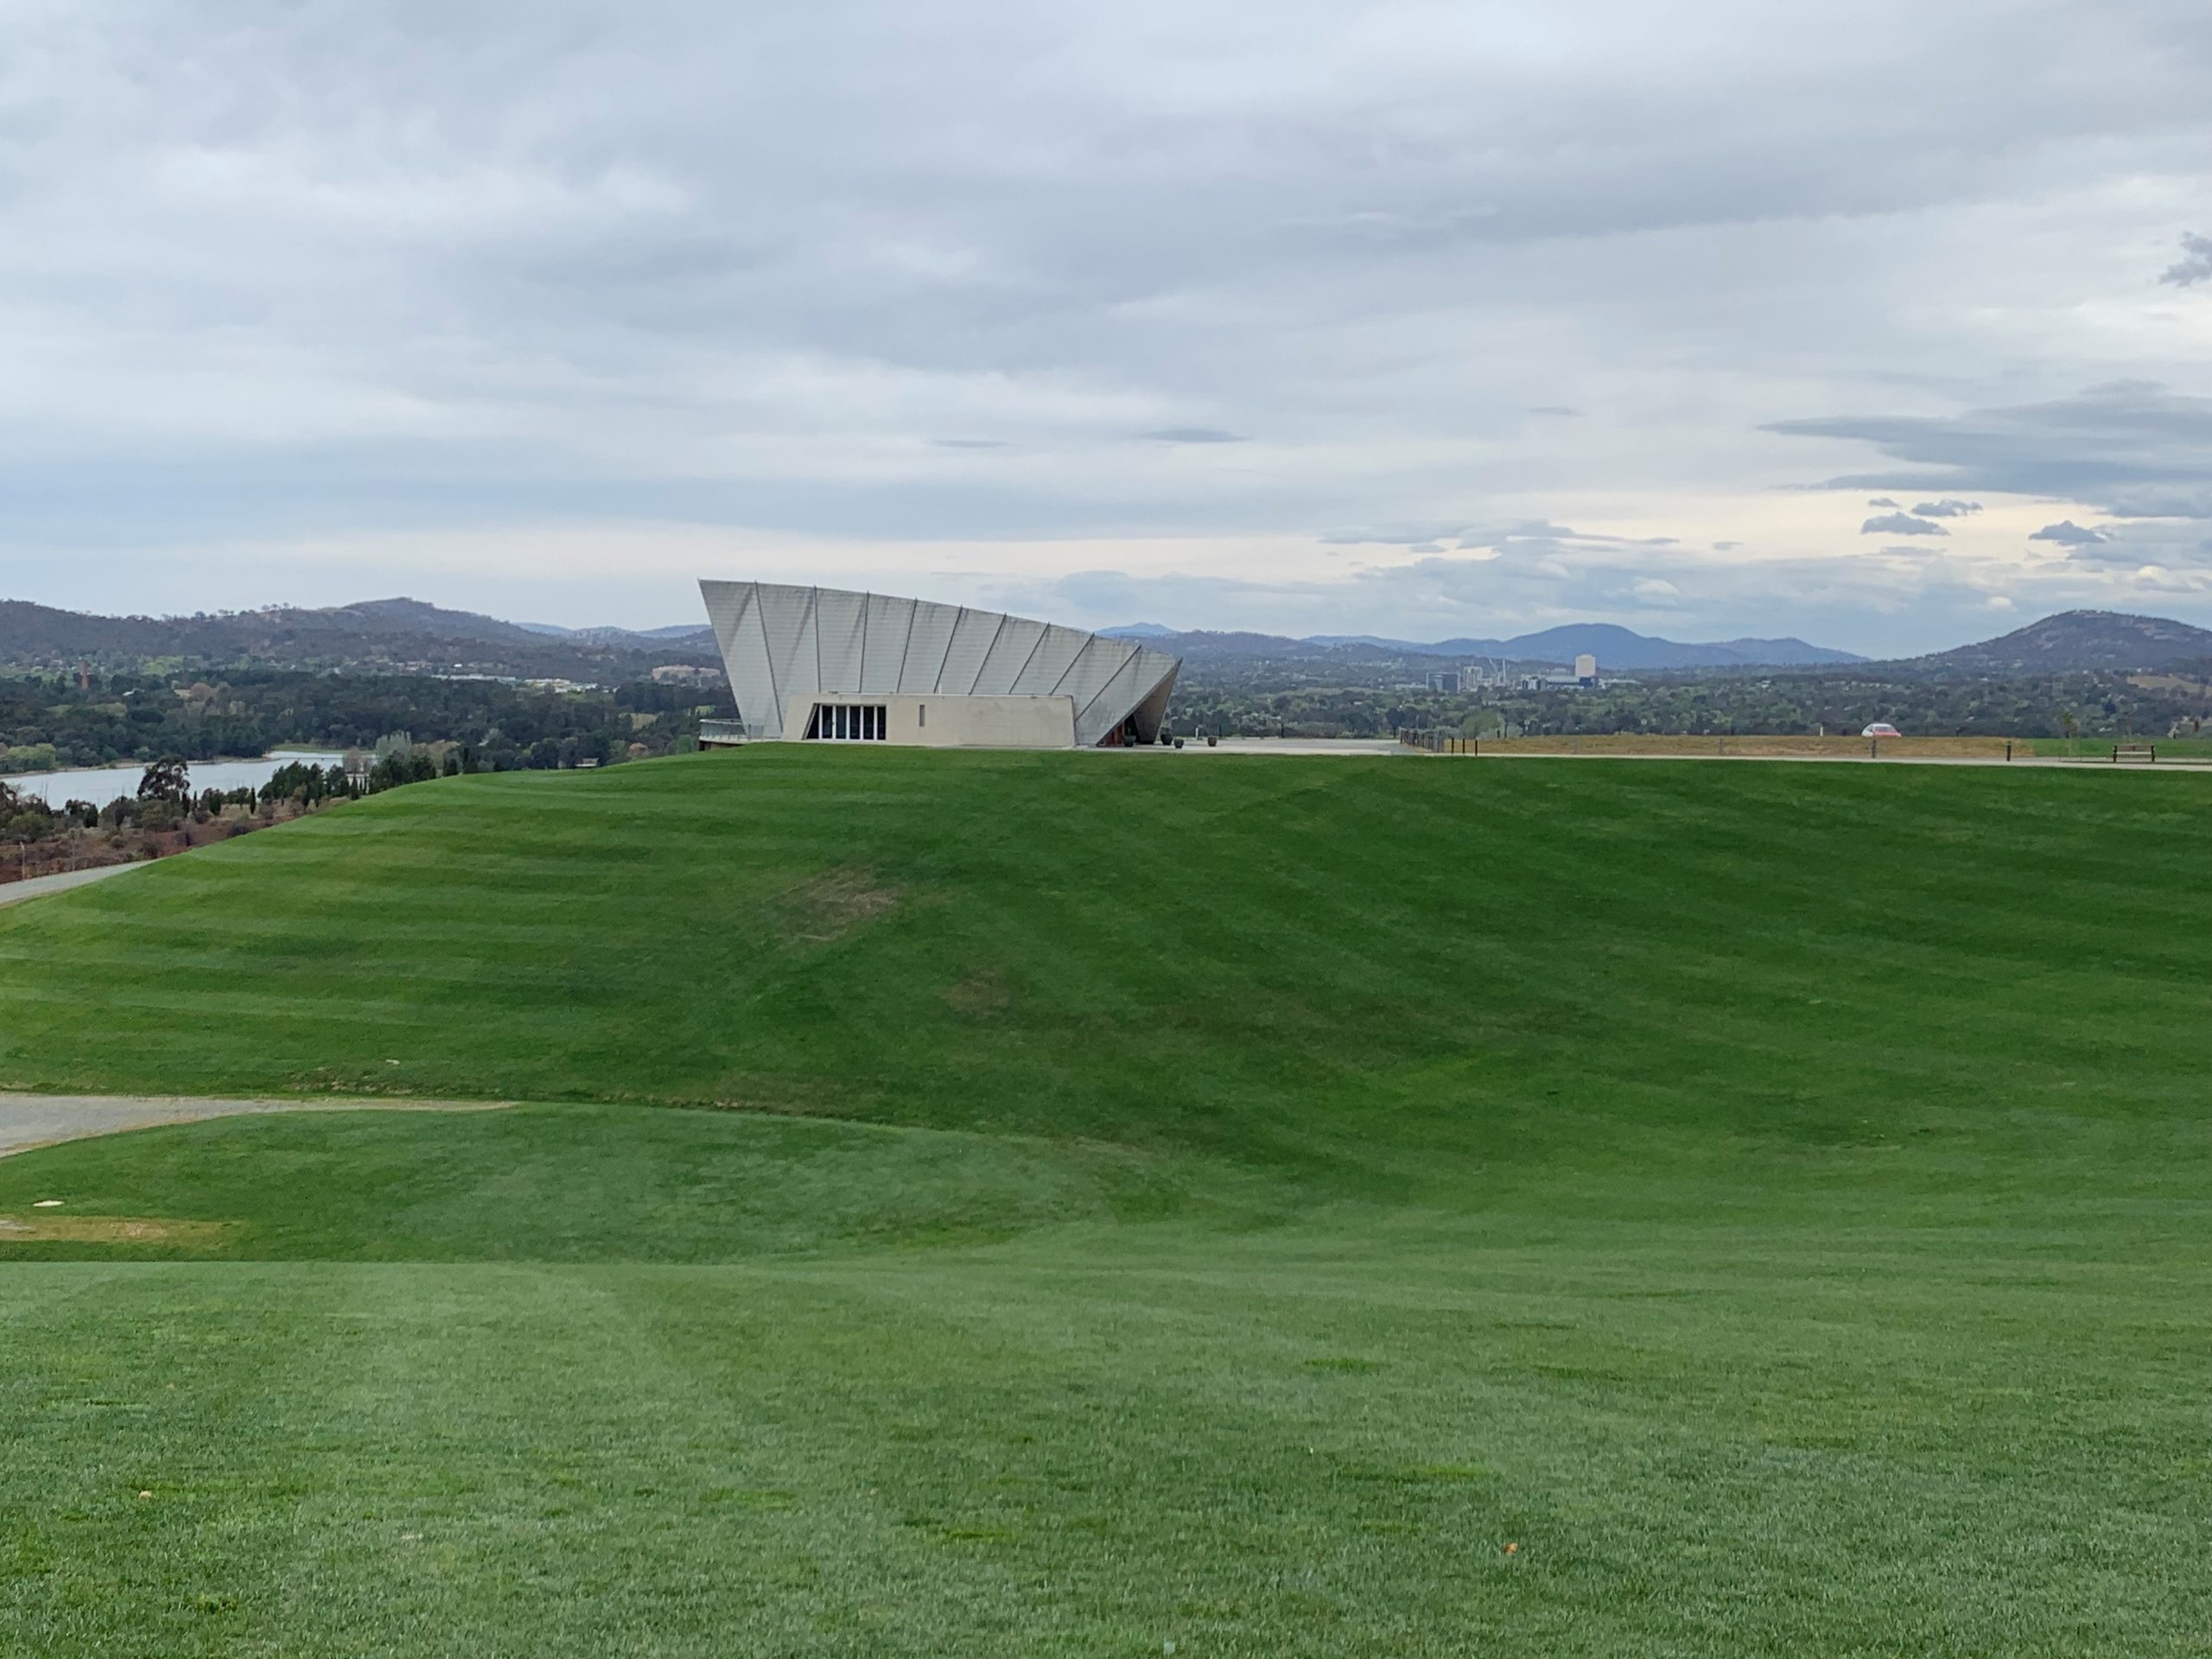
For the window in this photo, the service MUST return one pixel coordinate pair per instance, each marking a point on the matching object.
(848, 722)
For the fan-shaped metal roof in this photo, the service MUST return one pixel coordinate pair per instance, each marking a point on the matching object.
(784, 647)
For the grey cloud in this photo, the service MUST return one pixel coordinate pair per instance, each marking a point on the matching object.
(1192, 434)
(352, 269)
(1900, 523)
(1560, 410)
(1532, 529)
(2120, 446)
(2196, 265)
(2069, 533)
(2167, 545)
(1390, 535)
(1725, 547)
(1923, 598)
(1949, 507)
(1881, 501)
(970, 443)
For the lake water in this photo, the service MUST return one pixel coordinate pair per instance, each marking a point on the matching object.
(100, 785)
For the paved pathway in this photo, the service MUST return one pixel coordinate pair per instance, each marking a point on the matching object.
(27, 1120)
(14, 893)
(2023, 763)
(1374, 746)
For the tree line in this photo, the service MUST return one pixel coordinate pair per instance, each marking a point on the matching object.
(1242, 699)
(50, 721)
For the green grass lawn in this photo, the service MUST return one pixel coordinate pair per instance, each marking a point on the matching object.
(1075, 1204)
(2100, 748)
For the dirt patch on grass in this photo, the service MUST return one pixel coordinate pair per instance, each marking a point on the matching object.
(112, 1230)
(982, 996)
(831, 906)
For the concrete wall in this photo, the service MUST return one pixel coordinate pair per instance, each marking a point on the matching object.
(947, 722)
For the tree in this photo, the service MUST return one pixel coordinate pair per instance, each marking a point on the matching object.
(166, 779)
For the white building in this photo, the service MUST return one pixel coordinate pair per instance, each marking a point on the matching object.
(823, 665)
(1582, 677)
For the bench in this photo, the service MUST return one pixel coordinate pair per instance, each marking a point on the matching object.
(2144, 753)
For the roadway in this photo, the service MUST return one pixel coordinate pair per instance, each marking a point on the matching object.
(15, 892)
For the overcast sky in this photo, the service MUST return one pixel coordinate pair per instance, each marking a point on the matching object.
(1887, 325)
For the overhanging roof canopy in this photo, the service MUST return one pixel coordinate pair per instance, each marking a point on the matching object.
(784, 647)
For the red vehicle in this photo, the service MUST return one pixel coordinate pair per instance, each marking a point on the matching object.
(1881, 728)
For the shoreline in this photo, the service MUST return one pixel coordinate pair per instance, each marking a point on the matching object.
(318, 755)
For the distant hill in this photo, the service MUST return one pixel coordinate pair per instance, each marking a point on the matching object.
(2075, 642)
(1613, 646)
(383, 635)
(1138, 631)
(679, 632)
(1202, 642)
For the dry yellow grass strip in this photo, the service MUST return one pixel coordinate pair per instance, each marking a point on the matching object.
(1901, 749)
(110, 1229)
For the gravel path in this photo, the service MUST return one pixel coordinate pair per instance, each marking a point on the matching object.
(27, 1120)
(15, 892)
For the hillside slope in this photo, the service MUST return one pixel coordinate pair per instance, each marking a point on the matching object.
(2075, 642)
(1349, 964)
(1615, 647)
(1254, 1205)
(375, 634)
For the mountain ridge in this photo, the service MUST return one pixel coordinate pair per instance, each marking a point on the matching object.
(390, 635)
(2073, 642)
(1615, 646)
(403, 635)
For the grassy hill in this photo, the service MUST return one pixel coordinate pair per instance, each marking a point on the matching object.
(1077, 1204)
(377, 635)
(2074, 642)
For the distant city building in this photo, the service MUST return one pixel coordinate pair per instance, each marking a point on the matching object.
(1448, 680)
(1583, 676)
(820, 665)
